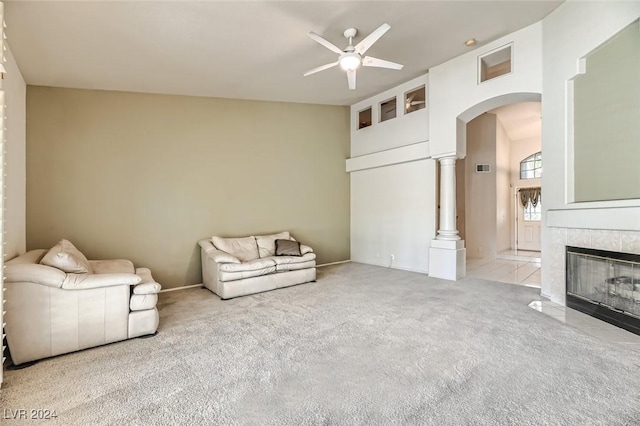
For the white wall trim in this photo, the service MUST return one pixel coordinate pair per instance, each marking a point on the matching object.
(419, 271)
(612, 218)
(184, 287)
(404, 154)
(333, 263)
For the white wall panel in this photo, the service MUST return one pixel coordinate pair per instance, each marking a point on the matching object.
(16, 174)
(393, 212)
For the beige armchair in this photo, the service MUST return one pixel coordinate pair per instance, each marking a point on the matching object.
(51, 312)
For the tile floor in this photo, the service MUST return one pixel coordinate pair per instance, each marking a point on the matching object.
(523, 268)
(587, 324)
(520, 255)
(525, 271)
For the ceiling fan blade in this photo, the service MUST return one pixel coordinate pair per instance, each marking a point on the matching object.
(326, 43)
(351, 77)
(418, 102)
(321, 68)
(369, 61)
(368, 41)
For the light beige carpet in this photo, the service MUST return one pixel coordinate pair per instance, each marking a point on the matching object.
(363, 345)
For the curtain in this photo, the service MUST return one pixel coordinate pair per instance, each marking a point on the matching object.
(530, 194)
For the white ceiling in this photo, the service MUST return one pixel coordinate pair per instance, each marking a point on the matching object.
(245, 49)
(521, 121)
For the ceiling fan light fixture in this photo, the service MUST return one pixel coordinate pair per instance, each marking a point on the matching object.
(350, 61)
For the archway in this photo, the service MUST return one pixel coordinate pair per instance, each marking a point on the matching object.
(493, 135)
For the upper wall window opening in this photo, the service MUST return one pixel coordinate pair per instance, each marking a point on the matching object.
(531, 167)
(415, 100)
(364, 118)
(495, 63)
(388, 109)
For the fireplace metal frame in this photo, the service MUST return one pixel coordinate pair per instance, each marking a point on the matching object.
(596, 309)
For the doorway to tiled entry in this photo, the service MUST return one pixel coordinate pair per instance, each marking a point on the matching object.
(518, 267)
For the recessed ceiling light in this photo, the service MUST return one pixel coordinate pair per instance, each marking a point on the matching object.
(470, 42)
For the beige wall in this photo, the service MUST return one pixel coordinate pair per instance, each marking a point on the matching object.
(145, 176)
(480, 188)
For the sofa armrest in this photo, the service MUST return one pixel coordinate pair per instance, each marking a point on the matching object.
(35, 273)
(206, 245)
(86, 281)
(148, 284)
(305, 249)
(216, 255)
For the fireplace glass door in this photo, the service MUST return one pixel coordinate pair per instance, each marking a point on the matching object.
(605, 279)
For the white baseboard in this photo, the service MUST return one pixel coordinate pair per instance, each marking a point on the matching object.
(419, 271)
(184, 287)
(333, 263)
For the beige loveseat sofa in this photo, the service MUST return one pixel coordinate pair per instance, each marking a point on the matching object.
(51, 312)
(233, 267)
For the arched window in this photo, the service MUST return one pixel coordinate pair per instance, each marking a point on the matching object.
(531, 167)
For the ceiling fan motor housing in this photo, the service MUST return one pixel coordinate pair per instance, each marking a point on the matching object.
(350, 33)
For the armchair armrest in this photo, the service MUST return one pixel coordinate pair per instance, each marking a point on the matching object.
(35, 273)
(147, 284)
(216, 255)
(86, 281)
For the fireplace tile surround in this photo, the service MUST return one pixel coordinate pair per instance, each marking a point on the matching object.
(599, 239)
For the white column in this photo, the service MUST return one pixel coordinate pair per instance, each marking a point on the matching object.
(447, 229)
(447, 255)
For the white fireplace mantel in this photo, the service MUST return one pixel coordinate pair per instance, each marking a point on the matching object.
(623, 218)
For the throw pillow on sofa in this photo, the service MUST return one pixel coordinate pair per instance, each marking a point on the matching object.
(287, 248)
(267, 243)
(66, 257)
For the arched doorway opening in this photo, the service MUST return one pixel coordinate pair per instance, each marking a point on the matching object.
(496, 136)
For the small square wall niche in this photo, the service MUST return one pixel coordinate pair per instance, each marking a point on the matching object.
(414, 100)
(388, 109)
(495, 63)
(364, 118)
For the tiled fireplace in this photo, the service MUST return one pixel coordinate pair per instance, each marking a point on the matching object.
(605, 285)
(554, 279)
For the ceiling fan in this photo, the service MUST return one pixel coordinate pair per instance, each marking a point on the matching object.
(351, 57)
(414, 104)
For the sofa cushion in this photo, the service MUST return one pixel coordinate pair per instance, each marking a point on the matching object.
(267, 243)
(283, 267)
(244, 249)
(251, 265)
(66, 257)
(293, 263)
(240, 275)
(30, 257)
(283, 260)
(141, 302)
(113, 266)
(287, 248)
